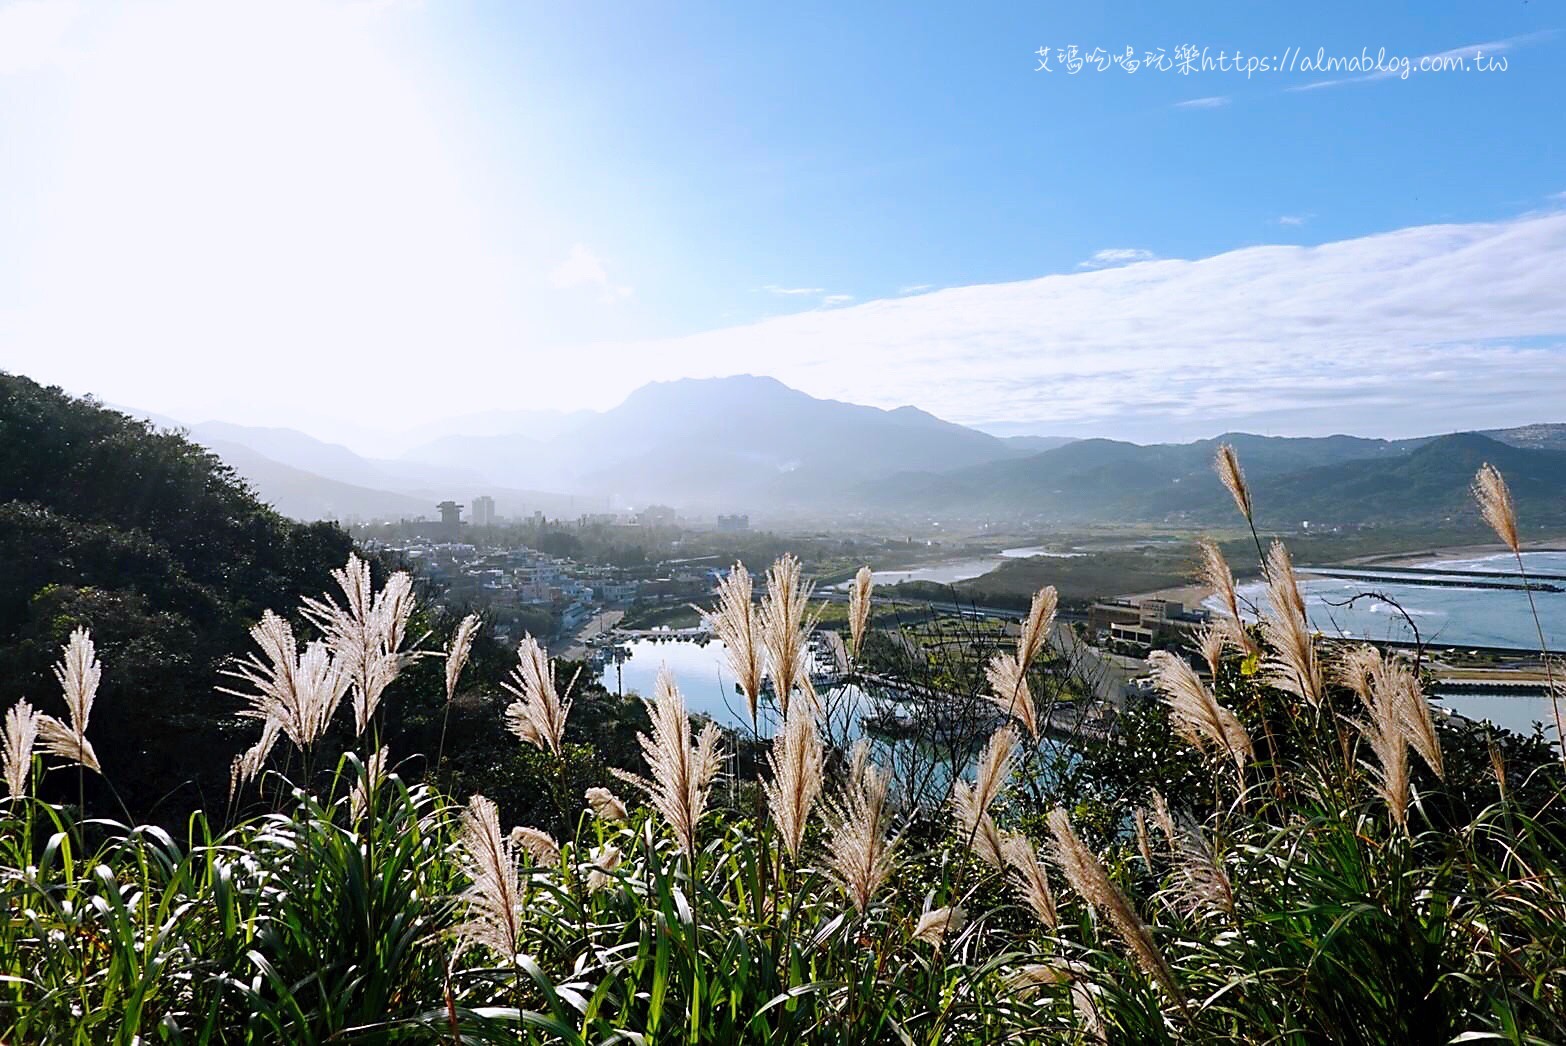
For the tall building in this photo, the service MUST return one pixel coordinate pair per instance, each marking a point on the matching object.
(450, 520)
(483, 511)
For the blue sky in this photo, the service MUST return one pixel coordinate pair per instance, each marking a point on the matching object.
(241, 211)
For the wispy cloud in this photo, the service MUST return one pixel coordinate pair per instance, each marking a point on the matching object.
(1110, 257)
(1292, 219)
(837, 299)
(920, 288)
(1216, 101)
(1396, 71)
(583, 268)
(1284, 338)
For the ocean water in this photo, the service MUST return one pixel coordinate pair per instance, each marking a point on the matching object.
(1460, 616)
(950, 572)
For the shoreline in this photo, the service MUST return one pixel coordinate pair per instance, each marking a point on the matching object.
(1193, 595)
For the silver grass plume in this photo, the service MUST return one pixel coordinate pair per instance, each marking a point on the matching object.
(21, 732)
(1365, 671)
(538, 715)
(796, 762)
(860, 856)
(972, 802)
(493, 902)
(374, 773)
(1009, 691)
(78, 673)
(859, 608)
(1202, 886)
(366, 632)
(457, 653)
(1029, 879)
(1495, 502)
(1163, 819)
(602, 863)
(1294, 666)
(937, 924)
(737, 622)
(1227, 465)
(785, 627)
(606, 805)
(1195, 713)
(247, 766)
(1383, 730)
(1211, 642)
(1087, 876)
(1214, 574)
(1143, 843)
(682, 766)
(536, 843)
(1035, 628)
(1027, 980)
(296, 692)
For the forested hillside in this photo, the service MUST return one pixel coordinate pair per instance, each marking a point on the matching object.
(155, 545)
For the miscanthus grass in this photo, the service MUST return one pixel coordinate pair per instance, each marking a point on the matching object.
(1409, 886)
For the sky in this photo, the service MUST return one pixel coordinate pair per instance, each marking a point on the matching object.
(356, 217)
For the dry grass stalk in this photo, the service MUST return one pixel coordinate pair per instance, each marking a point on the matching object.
(538, 715)
(536, 843)
(366, 633)
(78, 673)
(1214, 574)
(737, 622)
(21, 733)
(1294, 666)
(292, 693)
(602, 864)
(457, 653)
(1087, 876)
(796, 762)
(786, 625)
(1028, 980)
(1375, 678)
(972, 802)
(1009, 691)
(1195, 713)
(1030, 880)
(1143, 845)
(1227, 465)
(1383, 730)
(606, 805)
(1037, 625)
(1202, 885)
(1164, 820)
(859, 609)
(682, 767)
(860, 856)
(938, 924)
(493, 902)
(1495, 502)
(1211, 641)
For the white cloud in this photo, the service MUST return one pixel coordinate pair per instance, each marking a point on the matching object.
(1112, 256)
(837, 299)
(920, 288)
(1292, 219)
(32, 33)
(583, 268)
(1423, 329)
(1217, 101)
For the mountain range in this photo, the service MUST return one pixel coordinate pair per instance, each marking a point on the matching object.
(752, 444)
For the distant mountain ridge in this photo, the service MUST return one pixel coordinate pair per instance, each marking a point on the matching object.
(752, 444)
